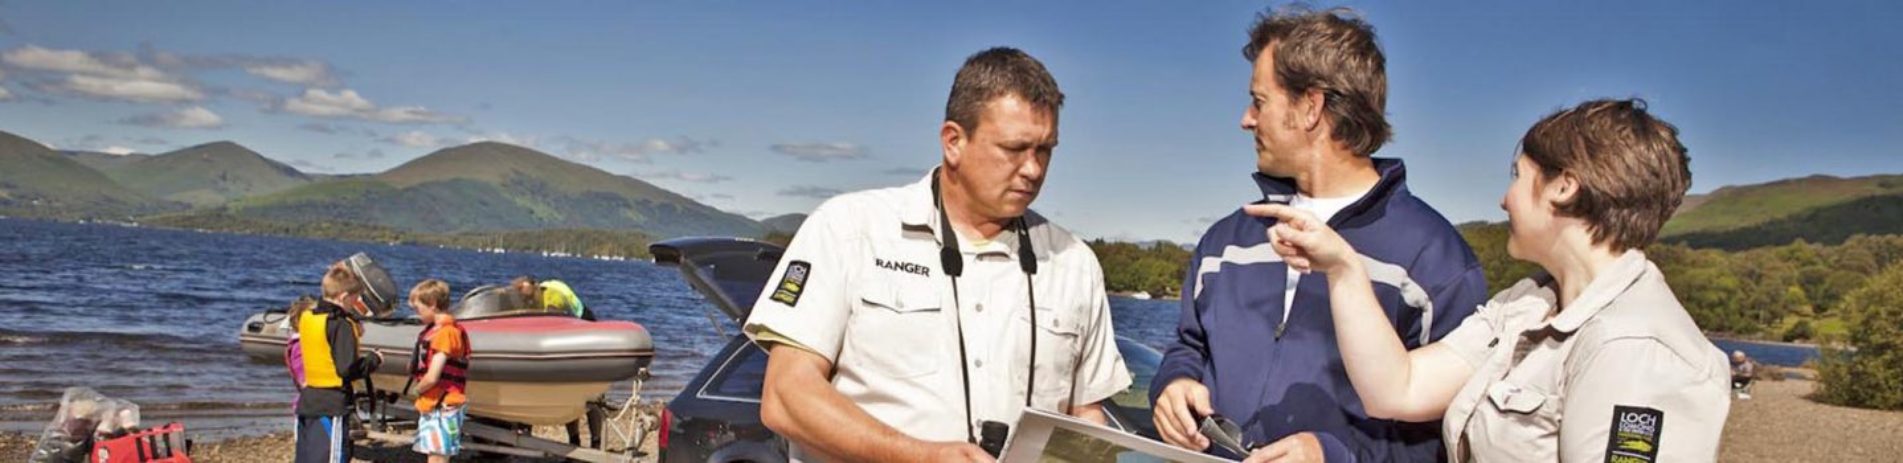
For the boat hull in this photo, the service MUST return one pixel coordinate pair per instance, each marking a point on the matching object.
(536, 369)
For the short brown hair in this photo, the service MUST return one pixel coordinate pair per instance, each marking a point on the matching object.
(997, 73)
(1333, 52)
(339, 280)
(433, 292)
(1631, 169)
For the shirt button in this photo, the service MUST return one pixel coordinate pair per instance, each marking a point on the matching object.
(979, 307)
(1494, 342)
(979, 363)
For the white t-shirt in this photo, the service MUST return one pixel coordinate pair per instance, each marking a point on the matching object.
(1324, 208)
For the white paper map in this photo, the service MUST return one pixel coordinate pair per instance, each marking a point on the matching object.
(1045, 437)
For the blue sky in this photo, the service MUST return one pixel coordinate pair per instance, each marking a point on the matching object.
(764, 108)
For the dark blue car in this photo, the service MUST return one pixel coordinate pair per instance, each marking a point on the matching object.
(716, 418)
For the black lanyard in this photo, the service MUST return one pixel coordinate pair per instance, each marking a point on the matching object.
(953, 263)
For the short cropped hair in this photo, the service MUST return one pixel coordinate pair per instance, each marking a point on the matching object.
(997, 73)
(1333, 52)
(1631, 168)
(339, 280)
(433, 292)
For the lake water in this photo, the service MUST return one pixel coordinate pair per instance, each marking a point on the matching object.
(152, 315)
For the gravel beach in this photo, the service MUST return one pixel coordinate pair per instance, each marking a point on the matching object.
(1779, 423)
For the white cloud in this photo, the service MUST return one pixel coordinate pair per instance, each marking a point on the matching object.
(347, 103)
(117, 150)
(118, 65)
(821, 152)
(637, 152)
(305, 72)
(808, 191)
(372, 154)
(323, 128)
(307, 165)
(195, 117)
(5, 94)
(691, 177)
(411, 115)
(414, 139)
(317, 102)
(261, 98)
(139, 90)
(117, 76)
(528, 141)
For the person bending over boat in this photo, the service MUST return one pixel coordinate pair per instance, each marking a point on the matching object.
(328, 336)
(551, 295)
(440, 372)
(1590, 359)
(556, 296)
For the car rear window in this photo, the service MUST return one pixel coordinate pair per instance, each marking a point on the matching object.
(742, 377)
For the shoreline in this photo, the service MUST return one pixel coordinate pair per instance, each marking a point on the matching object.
(276, 445)
(1779, 423)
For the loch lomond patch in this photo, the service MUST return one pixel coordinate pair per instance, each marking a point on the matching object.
(1634, 437)
(792, 282)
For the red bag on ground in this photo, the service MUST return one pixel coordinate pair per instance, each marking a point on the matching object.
(161, 444)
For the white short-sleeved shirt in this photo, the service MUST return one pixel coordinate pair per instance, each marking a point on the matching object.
(1623, 374)
(861, 285)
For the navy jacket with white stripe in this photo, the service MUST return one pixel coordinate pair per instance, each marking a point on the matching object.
(1278, 381)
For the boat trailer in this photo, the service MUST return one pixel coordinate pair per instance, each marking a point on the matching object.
(380, 418)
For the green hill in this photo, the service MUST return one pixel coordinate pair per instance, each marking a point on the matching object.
(1736, 207)
(493, 187)
(104, 161)
(36, 181)
(786, 223)
(205, 175)
(1831, 224)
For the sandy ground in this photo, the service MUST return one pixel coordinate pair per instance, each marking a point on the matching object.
(1777, 424)
(275, 448)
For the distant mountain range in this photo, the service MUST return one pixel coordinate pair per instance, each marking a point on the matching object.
(205, 175)
(489, 188)
(1818, 209)
(788, 223)
(477, 188)
(36, 181)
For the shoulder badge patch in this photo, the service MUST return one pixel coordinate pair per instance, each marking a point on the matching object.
(1634, 434)
(792, 282)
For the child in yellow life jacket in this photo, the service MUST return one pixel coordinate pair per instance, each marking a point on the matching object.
(352, 288)
(440, 370)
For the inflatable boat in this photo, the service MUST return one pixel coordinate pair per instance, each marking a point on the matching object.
(526, 365)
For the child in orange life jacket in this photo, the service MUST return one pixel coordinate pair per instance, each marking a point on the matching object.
(440, 370)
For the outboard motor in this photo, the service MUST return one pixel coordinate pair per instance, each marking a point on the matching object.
(380, 291)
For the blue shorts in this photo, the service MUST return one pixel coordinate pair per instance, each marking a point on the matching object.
(321, 439)
(440, 432)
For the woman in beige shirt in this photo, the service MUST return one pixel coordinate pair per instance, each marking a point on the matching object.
(1591, 359)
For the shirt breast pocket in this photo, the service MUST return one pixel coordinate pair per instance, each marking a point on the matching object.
(1058, 335)
(1529, 409)
(897, 329)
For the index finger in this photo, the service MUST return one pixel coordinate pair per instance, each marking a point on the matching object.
(1279, 212)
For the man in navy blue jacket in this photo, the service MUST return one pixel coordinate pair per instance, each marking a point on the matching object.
(1256, 343)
